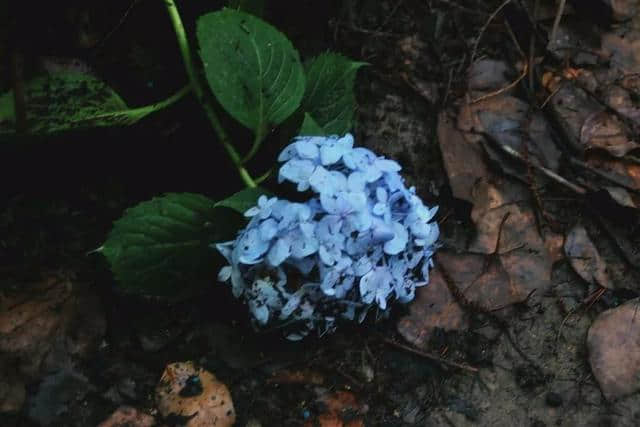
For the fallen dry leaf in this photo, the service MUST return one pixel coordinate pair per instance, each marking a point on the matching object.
(625, 173)
(602, 130)
(623, 10)
(619, 99)
(573, 106)
(484, 280)
(555, 246)
(463, 160)
(623, 51)
(44, 327)
(627, 242)
(511, 123)
(585, 258)
(434, 307)
(614, 350)
(621, 197)
(487, 75)
(509, 260)
(194, 393)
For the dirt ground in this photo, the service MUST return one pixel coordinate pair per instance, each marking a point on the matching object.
(522, 363)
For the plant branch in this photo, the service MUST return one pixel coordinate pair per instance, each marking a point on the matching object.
(199, 91)
(257, 142)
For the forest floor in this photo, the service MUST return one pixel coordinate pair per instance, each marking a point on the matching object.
(526, 145)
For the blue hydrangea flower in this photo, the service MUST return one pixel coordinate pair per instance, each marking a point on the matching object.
(360, 241)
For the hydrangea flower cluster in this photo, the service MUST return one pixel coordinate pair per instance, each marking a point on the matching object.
(361, 240)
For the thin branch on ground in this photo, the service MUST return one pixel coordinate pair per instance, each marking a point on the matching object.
(556, 22)
(484, 28)
(431, 356)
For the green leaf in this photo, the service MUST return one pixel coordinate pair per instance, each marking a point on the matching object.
(310, 127)
(242, 200)
(162, 246)
(329, 96)
(72, 101)
(252, 68)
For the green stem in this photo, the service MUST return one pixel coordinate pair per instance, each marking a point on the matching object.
(257, 142)
(264, 176)
(199, 91)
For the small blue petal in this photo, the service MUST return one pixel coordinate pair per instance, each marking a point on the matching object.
(382, 232)
(329, 182)
(253, 211)
(381, 195)
(329, 282)
(331, 152)
(362, 266)
(326, 256)
(356, 182)
(328, 229)
(225, 273)
(386, 165)
(359, 158)
(297, 171)
(292, 304)
(279, 252)
(308, 229)
(251, 247)
(372, 174)
(260, 312)
(379, 209)
(399, 241)
(288, 153)
(268, 228)
(307, 149)
(376, 284)
(303, 247)
(360, 220)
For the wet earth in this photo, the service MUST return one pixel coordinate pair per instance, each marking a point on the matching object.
(522, 130)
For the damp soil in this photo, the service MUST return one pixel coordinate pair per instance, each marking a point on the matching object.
(61, 195)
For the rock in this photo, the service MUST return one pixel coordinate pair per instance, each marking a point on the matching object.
(614, 350)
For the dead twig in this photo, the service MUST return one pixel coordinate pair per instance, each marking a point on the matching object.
(484, 28)
(587, 303)
(556, 22)
(504, 88)
(431, 356)
(532, 48)
(547, 172)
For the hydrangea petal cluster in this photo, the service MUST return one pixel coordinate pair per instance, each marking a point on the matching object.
(360, 241)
